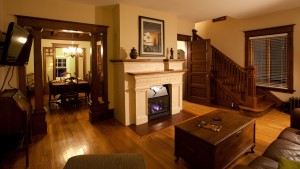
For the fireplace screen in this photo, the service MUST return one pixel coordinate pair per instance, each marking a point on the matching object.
(158, 102)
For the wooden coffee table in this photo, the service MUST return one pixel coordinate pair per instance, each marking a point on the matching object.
(204, 148)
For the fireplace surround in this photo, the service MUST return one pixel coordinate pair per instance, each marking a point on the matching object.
(134, 77)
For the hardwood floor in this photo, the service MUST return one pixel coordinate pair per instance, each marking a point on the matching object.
(70, 134)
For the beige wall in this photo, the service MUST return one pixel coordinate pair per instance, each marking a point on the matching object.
(109, 16)
(228, 36)
(129, 28)
(52, 9)
(185, 27)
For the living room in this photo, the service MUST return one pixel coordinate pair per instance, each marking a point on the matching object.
(122, 20)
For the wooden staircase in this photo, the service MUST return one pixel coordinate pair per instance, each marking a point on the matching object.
(234, 80)
(234, 86)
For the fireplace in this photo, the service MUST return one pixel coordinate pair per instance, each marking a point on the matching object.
(158, 102)
(132, 82)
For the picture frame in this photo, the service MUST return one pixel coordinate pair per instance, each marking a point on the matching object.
(151, 37)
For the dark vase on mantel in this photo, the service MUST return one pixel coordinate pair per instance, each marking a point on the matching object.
(133, 53)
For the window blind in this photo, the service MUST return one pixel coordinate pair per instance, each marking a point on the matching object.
(269, 56)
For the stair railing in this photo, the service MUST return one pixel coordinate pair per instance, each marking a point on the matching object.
(231, 73)
(243, 80)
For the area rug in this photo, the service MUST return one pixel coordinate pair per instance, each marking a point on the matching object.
(161, 123)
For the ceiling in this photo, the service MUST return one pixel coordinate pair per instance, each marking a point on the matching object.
(201, 10)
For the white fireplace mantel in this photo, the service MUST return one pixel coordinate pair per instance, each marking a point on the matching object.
(139, 83)
(132, 80)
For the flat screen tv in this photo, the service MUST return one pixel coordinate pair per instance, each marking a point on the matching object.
(15, 50)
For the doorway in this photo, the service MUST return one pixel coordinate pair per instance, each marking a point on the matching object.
(55, 61)
(183, 42)
(43, 28)
(182, 53)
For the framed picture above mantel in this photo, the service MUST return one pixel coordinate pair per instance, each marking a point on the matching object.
(151, 37)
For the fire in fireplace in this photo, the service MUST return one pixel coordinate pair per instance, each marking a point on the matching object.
(158, 102)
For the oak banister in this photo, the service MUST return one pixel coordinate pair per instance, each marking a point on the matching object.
(220, 53)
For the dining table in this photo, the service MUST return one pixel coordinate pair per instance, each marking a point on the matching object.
(59, 87)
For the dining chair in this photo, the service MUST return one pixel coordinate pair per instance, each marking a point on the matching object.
(53, 97)
(70, 93)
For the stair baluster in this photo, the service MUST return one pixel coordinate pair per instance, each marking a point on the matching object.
(232, 74)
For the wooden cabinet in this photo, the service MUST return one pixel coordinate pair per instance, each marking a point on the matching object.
(14, 121)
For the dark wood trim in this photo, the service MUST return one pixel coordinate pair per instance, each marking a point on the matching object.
(105, 69)
(27, 21)
(63, 45)
(44, 65)
(155, 72)
(181, 37)
(76, 67)
(84, 62)
(46, 34)
(45, 77)
(290, 51)
(270, 31)
(39, 125)
(40, 24)
(54, 63)
(136, 60)
(222, 18)
(174, 60)
(147, 60)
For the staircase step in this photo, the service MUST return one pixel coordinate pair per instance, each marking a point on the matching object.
(262, 108)
(260, 97)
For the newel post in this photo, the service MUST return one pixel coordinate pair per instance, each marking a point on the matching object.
(251, 81)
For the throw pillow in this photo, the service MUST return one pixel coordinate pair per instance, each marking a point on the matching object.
(284, 163)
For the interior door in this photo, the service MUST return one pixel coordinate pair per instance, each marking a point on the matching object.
(199, 72)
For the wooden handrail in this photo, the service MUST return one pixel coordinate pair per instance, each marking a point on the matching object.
(243, 80)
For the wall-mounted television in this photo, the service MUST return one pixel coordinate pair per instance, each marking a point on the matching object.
(15, 49)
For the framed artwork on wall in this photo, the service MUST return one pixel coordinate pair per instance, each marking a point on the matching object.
(151, 37)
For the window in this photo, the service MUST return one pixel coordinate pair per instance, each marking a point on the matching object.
(61, 66)
(270, 51)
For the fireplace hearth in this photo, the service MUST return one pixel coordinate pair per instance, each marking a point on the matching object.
(158, 102)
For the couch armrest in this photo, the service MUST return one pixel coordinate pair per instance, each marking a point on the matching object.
(241, 167)
(295, 118)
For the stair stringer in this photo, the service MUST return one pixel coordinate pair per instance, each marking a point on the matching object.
(221, 95)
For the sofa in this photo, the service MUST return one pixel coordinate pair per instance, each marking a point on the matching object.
(107, 161)
(285, 147)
